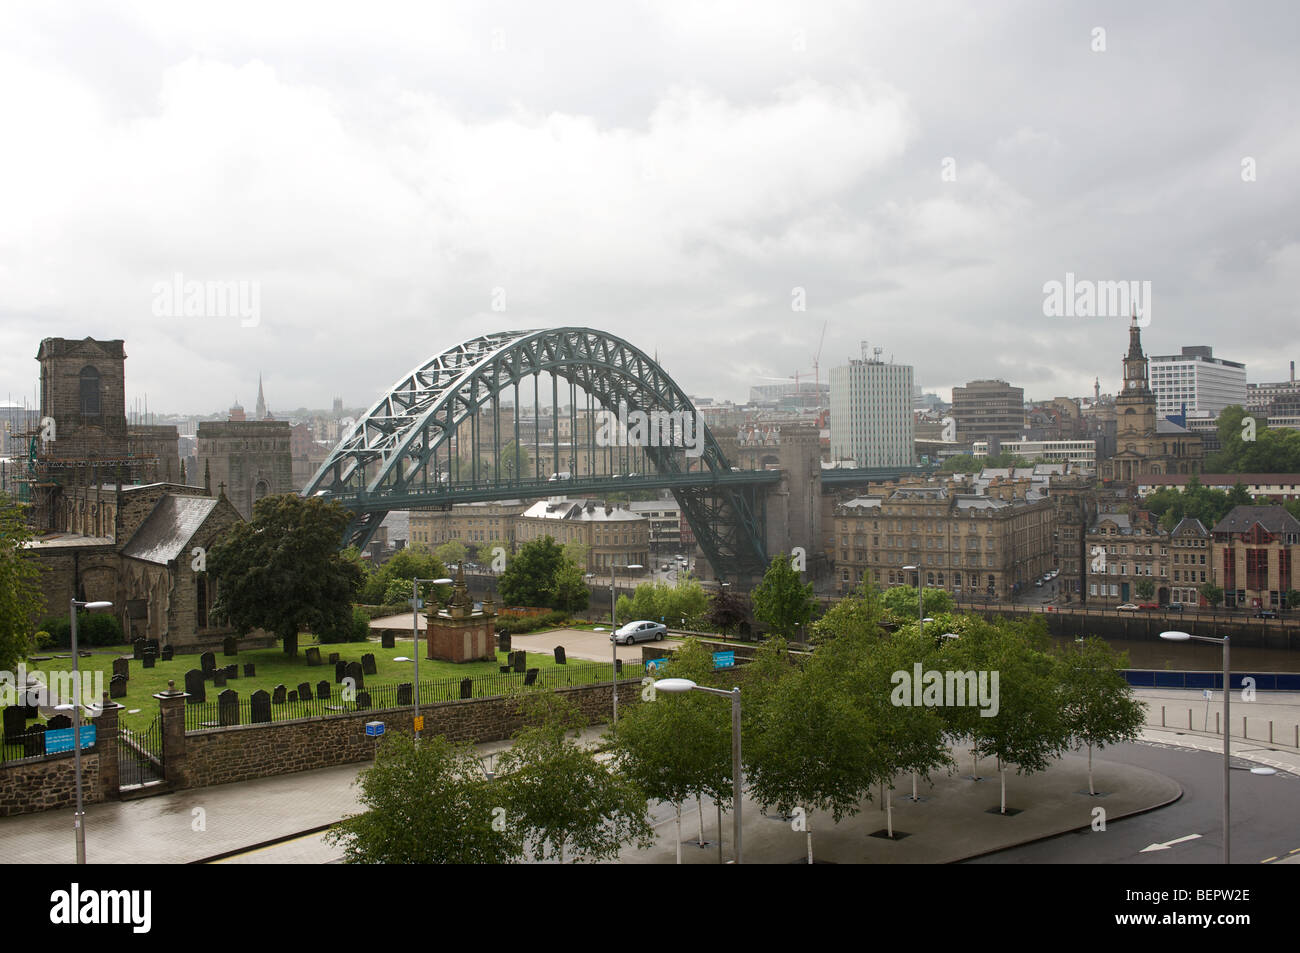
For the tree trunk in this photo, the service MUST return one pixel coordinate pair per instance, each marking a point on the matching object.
(808, 834)
(1003, 772)
(1090, 788)
(718, 804)
(889, 812)
(699, 804)
(290, 642)
(678, 805)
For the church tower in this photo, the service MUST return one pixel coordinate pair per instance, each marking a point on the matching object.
(261, 401)
(1135, 407)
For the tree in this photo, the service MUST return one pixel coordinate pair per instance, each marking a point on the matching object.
(282, 570)
(678, 746)
(1144, 589)
(859, 612)
(1293, 598)
(428, 803)
(1211, 593)
(575, 551)
(495, 553)
(413, 562)
(901, 601)
(21, 601)
(782, 601)
(727, 612)
(560, 798)
(1097, 702)
(451, 553)
(529, 577)
(568, 591)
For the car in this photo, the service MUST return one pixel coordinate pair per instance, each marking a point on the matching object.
(643, 630)
(1038, 583)
(1127, 607)
(1266, 614)
(1175, 607)
(1148, 605)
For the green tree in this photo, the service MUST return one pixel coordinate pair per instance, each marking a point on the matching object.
(495, 554)
(451, 553)
(678, 746)
(282, 570)
(568, 591)
(1211, 593)
(427, 803)
(901, 601)
(575, 551)
(1144, 589)
(529, 577)
(21, 601)
(1097, 703)
(413, 562)
(782, 601)
(861, 611)
(560, 798)
(1293, 598)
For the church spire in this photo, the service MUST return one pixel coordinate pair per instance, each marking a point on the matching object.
(261, 401)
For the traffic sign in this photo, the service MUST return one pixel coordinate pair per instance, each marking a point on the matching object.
(374, 728)
(419, 723)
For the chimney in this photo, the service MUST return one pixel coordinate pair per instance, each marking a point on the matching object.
(1293, 372)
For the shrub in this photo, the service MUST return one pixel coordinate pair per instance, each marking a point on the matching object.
(93, 628)
(357, 630)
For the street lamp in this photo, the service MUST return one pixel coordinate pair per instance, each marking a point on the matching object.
(613, 628)
(920, 596)
(1227, 725)
(680, 685)
(415, 637)
(79, 818)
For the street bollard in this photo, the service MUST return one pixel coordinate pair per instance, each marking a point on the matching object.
(1218, 729)
(1162, 716)
(1270, 731)
(1189, 719)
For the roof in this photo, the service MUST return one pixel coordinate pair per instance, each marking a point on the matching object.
(1220, 479)
(1274, 519)
(167, 531)
(1190, 525)
(1169, 427)
(583, 511)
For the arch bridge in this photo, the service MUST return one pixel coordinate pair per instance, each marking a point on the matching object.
(518, 414)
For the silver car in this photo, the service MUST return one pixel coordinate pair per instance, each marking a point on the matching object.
(640, 631)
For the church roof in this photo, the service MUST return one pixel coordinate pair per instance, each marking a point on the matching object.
(167, 531)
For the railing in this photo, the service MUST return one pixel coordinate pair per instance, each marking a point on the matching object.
(208, 714)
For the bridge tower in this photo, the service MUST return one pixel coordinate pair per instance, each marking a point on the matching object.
(794, 505)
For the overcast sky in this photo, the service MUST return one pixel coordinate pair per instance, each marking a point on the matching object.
(385, 174)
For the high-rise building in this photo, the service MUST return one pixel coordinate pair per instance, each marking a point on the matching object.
(871, 413)
(1197, 379)
(988, 410)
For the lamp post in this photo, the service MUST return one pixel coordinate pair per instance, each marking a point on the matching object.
(678, 685)
(613, 629)
(920, 596)
(79, 818)
(415, 637)
(1227, 725)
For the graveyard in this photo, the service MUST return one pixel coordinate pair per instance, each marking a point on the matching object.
(267, 669)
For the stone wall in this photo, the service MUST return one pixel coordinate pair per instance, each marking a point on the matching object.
(224, 755)
(30, 786)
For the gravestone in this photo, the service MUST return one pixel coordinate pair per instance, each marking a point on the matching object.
(358, 677)
(34, 741)
(530, 677)
(559, 655)
(58, 722)
(388, 639)
(313, 656)
(15, 723)
(368, 664)
(250, 670)
(404, 693)
(229, 646)
(208, 662)
(521, 662)
(503, 642)
(293, 696)
(232, 670)
(219, 678)
(467, 688)
(194, 686)
(278, 697)
(334, 658)
(261, 707)
(122, 666)
(168, 653)
(504, 669)
(228, 707)
(148, 660)
(304, 691)
(363, 700)
(117, 687)
(323, 689)
(151, 645)
(340, 671)
(138, 648)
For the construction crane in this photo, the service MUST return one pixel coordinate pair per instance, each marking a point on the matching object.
(816, 358)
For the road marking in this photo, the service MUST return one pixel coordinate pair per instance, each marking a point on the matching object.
(1170, 843)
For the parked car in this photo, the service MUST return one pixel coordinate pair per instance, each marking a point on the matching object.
(1038, 583)
(1127, 607)
(1266, 614)
(640, 631)
(1175, 607)
(1148, 605)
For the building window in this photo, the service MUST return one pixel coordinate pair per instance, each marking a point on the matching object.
(90, 392)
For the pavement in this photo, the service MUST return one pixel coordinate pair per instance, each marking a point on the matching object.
(279, 819)
(579, 643)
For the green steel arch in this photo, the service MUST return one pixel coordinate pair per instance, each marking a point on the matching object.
(406, 451)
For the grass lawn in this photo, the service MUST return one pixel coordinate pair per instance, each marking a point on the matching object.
(273, 668)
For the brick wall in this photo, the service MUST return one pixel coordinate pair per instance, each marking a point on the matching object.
(27, 787)
(223, 755)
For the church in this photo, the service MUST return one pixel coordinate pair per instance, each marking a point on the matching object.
(1144, 443)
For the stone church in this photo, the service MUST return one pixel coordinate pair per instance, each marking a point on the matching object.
(1144, 443)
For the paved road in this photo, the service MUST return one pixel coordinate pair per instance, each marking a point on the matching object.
(1265, 824)
(582, 644)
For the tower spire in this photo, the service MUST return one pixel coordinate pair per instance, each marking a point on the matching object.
(261, 401)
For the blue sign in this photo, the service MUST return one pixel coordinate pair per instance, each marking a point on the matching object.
(61, 739)
(724, 659)
(655, 663)
(374, 728)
